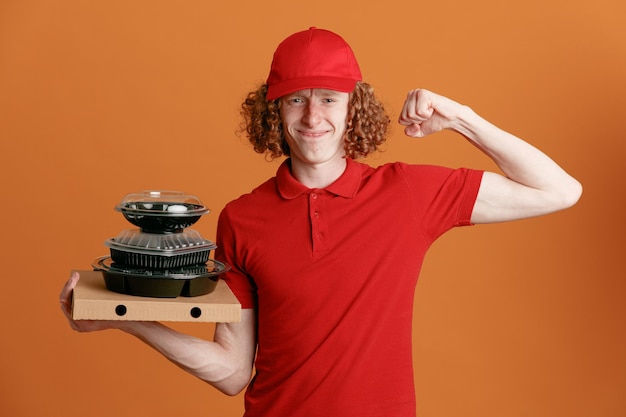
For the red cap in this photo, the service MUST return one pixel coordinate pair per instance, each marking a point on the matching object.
(314, 58)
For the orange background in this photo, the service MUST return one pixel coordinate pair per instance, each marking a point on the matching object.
(102, 98)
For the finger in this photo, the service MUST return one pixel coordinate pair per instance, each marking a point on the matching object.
(417, 108)
(65, 298)
(67, 289)
(423, 105)
(407, 115)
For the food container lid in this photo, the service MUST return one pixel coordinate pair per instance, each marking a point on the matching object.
(161, 203)
(134, 240)
(212, 268)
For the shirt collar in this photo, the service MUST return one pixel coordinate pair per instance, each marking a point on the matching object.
(347, 185)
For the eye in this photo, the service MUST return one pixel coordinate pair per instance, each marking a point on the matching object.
(294, 100)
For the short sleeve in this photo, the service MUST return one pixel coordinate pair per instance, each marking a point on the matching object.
(238, 281)
(444, 197)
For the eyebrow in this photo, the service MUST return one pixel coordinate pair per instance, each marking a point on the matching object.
(321, 91)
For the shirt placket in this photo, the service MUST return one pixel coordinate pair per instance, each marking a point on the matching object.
(319, 222)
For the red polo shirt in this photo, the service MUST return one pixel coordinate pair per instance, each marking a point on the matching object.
(332, 273)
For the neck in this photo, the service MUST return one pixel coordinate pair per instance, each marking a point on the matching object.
(318, 175)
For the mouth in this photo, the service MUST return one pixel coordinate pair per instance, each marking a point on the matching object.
(312, 133)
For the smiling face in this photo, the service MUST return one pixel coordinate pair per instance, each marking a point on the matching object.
(314, 122)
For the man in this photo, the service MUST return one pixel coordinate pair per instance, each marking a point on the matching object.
(325, 256)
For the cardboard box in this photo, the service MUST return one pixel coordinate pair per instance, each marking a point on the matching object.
(93, 301)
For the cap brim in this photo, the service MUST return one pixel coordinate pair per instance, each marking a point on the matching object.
(283, 88)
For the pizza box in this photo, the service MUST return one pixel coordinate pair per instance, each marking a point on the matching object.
(93, 301)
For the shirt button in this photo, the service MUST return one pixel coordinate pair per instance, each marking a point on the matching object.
(313, 196)
(317, 215)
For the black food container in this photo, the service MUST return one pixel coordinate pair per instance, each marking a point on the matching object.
(189, 281)
(161, 211)
(159, 251)
(163, 257)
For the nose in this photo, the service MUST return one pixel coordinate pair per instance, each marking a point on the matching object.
(311, 115)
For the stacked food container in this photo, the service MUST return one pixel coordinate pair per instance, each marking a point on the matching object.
(163, 257)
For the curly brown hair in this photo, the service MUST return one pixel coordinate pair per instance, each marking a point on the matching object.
(366, 131)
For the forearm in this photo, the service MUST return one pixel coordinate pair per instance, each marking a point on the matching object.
(217, 362)
(517, 159)
(225, 363)
(536, 182)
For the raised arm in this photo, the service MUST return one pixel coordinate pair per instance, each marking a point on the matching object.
(532, 184)
(226, 362)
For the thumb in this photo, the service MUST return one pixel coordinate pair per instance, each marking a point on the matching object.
(414, 130)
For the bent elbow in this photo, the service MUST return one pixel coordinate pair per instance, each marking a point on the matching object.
(232, 391)
(232, 385)
(572, 194)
